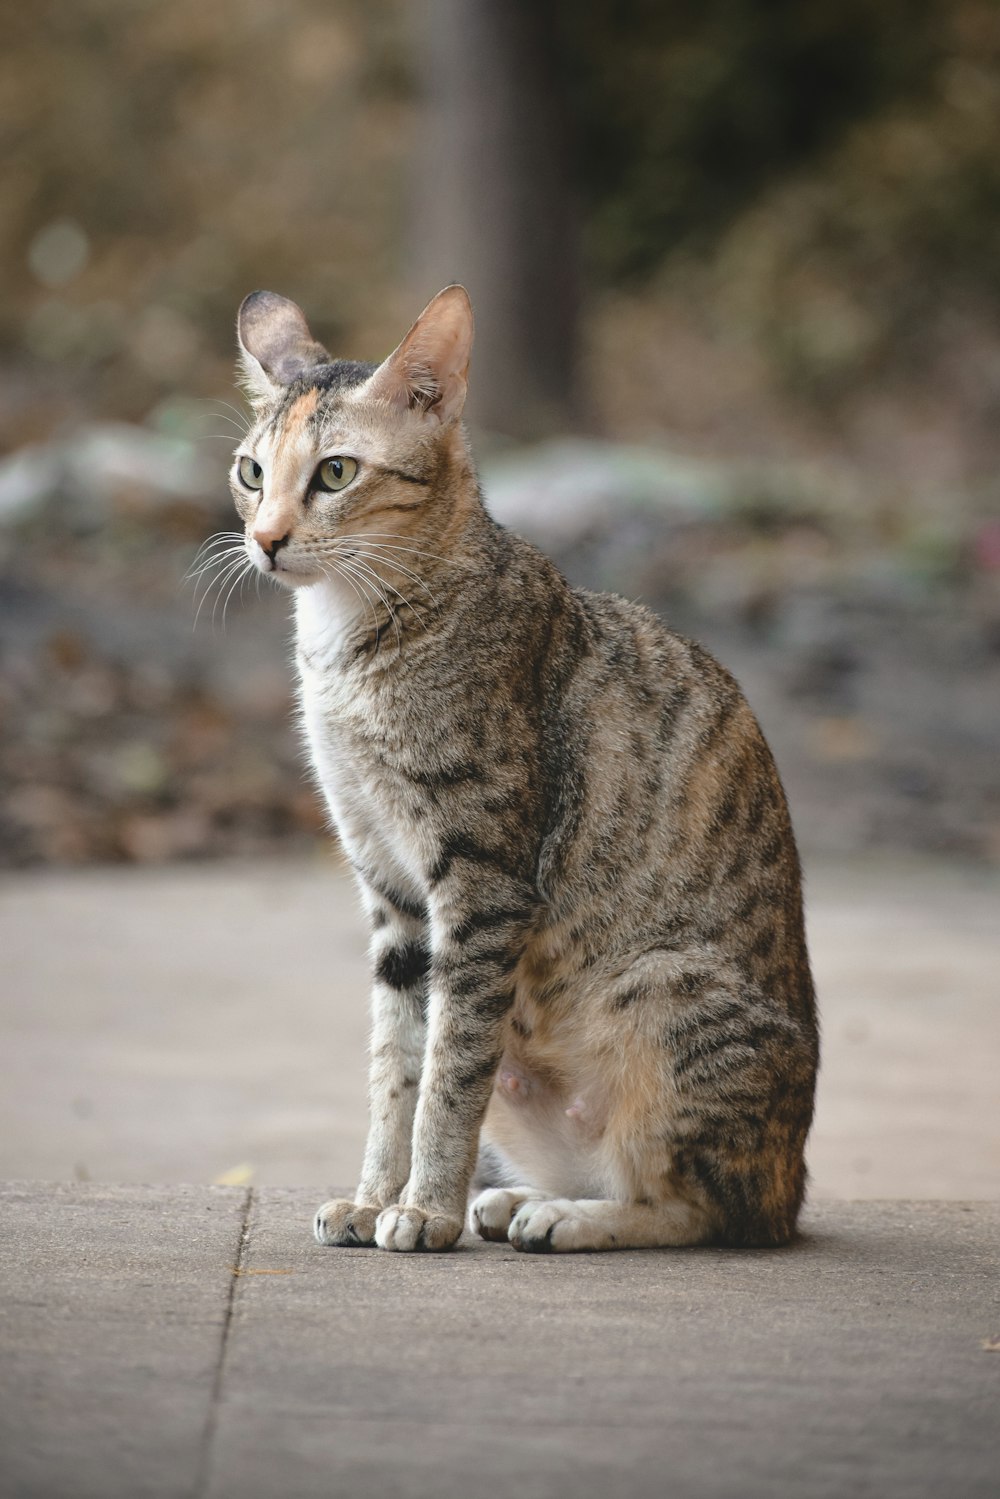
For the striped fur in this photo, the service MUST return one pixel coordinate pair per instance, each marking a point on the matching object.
(569, 835)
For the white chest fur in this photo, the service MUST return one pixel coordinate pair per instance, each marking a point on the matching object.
(341, 716)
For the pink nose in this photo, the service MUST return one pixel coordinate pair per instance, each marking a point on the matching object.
(269, 539)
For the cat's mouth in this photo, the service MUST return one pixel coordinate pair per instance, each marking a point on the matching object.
(293, 573)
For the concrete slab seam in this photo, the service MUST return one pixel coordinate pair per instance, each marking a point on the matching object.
(212, 1416)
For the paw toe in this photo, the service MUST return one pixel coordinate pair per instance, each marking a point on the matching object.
(491, 1213)
(550, 1228)
(345, 1224)
(396, 1229)
(407, 1229)
(531, 1228)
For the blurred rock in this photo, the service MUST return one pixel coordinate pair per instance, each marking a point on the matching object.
(103, 468)
(147, 838)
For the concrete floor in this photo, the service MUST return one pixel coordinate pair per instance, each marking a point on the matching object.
(192, 1343)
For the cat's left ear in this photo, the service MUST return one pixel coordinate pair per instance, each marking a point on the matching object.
(276, 347)
(430, 369)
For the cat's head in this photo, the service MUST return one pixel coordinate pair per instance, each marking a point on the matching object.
(339, 449)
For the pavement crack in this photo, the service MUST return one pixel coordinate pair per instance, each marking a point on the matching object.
(218, 1380)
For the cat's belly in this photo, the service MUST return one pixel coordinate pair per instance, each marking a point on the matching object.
(544, 1137)
(548, 1116)
(582, 1078)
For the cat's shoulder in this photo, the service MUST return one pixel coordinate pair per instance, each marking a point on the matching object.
(625, 630)
(620, 638)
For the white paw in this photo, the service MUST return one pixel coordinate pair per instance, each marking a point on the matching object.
(349, 1225)
(557, 1226)
(493, 1209)
(409, 1228)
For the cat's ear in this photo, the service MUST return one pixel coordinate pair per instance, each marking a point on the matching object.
(276, 346)
(429, 371)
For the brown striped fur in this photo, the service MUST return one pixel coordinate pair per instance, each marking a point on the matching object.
(569, 835)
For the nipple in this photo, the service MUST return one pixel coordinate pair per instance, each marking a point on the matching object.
(512, 1083)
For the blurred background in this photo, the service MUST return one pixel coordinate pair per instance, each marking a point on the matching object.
(737, 277)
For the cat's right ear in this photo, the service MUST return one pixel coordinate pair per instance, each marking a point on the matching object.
(276, 347)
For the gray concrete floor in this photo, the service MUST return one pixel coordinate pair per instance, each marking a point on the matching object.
(194, 1341)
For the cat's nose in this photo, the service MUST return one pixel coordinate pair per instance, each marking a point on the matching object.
(269, 541)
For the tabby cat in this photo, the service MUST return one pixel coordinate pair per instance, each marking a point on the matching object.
(568, 833)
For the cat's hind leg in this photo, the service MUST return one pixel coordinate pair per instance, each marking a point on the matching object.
(492, 1211)
(705, 1100)
(564, 1224)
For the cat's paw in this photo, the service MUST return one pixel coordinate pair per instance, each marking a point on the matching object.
(407, 1228)
(491, 1213)
(348, 1225)
(555, 1226)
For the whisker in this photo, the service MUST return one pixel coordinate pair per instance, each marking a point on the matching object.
(386, 584)
(214, 545)
(225, 567)
(241, 416)
(220, 416)
(358, 551)
(207, 556)
(219, 580)
(407, 572)
(238, 411)
(233, 582)
(216, 538)
(373, 580)
(355, 586)
(195, 570)
(220, 564)
(349, 572)
(239, 579)
(234, 564)
(362, 542)
(399, 546)
(356, 583)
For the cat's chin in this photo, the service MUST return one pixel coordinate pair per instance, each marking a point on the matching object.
(289, 578)
(294, 580)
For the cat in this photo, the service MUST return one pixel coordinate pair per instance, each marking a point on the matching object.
(575, 853)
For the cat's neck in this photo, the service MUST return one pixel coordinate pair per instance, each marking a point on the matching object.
(400, 584)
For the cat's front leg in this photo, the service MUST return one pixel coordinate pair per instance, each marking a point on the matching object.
(471, 992)
(399, 998)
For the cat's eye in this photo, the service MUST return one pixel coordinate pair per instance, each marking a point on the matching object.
(250, 472)
(335, 473)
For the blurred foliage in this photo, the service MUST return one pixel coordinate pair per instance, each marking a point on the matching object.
(782, 205)
(686, 111)
(796, 209)
(161, 160)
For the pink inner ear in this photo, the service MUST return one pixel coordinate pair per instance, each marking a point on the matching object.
(427, 372)
(420, 381)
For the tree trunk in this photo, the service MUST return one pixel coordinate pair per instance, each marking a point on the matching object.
(495, 207)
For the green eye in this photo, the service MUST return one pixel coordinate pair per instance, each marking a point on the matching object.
(335, 473)
(251, 474)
